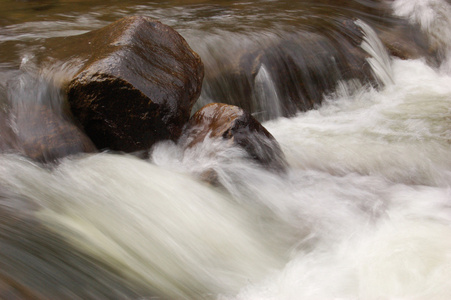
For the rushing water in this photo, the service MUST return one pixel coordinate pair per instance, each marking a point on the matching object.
(363, 212)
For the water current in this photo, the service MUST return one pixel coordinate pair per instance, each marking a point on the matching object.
(363, 211)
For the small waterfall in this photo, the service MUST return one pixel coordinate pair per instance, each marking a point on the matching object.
(379, 58)
(277, 73)
(266, 92)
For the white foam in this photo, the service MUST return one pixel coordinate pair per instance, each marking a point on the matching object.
(401, 133)
(161, 230)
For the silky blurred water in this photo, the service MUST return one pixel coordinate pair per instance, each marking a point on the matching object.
(363, 211)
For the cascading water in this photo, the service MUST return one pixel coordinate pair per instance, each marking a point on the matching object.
(363, 211)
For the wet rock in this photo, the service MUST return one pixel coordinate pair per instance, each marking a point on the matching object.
(137, 82)
(39, 133)
(406, 41)
(46, 136)
(238, 127)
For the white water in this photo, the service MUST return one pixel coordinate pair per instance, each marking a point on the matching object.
(364, 211)
(374, 177)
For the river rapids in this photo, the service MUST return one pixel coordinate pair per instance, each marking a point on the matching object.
(363, 211)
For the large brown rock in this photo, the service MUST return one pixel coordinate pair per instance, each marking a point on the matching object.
(137, 83)
(239, 128)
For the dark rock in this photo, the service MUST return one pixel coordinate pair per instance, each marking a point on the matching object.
(137, 82)
(233, 124)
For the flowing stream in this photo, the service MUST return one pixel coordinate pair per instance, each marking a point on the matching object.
(363, 211)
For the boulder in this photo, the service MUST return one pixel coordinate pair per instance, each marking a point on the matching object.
(239, 128)
(136, 83)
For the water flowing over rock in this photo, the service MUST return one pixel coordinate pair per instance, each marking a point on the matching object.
(137, 84)
(231, 123)
(292, 74)
(41, 134)
(360, 210)
(283, 72)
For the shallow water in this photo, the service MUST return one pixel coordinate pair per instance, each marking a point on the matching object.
(363, 212)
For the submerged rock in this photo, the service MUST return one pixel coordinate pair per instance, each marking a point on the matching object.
(39, 133)
(238, 127)
(46, 136)
(137, 83)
